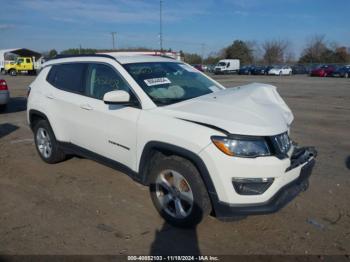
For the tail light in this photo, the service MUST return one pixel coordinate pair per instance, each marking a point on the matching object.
(3, 85)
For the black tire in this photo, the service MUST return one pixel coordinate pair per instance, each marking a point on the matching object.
(201, 203)
(57, 154)
(3, 107)
(13, 72)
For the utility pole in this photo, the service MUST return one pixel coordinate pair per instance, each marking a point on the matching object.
(113, 39)
(161, 25)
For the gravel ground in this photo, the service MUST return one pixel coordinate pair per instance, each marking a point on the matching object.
(82, 207)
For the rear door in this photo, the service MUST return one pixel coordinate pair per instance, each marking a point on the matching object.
(63, 98)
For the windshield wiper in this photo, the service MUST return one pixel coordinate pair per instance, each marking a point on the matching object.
(168, 101)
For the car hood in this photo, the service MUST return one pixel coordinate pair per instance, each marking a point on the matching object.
(254, 109)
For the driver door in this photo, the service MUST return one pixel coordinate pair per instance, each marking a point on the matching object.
(108, 130)
(20, 64)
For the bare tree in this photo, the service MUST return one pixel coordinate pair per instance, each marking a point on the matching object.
(314, 50)
(274, 51)
(255, 49)
(289, 58)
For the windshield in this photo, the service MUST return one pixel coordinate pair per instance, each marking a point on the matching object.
(168, 82)
(221, 64)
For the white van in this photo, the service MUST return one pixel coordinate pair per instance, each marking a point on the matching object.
(227, 66)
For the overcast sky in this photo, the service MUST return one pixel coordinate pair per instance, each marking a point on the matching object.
(45, 24)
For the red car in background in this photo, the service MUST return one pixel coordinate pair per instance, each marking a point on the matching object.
(323, 71)
(199, 67)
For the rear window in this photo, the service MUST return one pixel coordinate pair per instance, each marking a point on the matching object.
(68, 77)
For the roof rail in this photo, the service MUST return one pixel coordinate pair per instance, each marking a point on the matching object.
(84, 55)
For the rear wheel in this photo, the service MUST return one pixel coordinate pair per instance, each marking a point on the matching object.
(178, 192)
(46, 143)
(13, 72)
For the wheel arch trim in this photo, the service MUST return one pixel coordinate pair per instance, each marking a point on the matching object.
(152, 146)
(33, 112)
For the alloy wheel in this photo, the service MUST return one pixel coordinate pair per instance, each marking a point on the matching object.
(174, 194)
(44, 142)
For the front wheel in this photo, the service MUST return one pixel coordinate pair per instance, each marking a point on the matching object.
(178, 192)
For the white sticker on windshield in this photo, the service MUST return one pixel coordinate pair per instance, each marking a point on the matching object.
(188, 68)
(157, 81)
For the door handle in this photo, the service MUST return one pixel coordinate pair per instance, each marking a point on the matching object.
(50, 96)
(86, 107)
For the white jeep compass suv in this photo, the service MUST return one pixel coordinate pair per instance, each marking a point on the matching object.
(201, 148)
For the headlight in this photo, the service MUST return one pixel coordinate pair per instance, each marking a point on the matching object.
(242, 146)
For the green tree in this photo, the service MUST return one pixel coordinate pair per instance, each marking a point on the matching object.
(77, 51)
(212, 60)
(317, 51)
(192, 58)
(239, 50)
(52, 53)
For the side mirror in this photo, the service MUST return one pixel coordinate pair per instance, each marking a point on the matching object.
(116, 97)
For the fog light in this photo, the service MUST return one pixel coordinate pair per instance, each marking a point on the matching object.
(251, 186)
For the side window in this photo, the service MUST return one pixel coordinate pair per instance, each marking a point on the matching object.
(102, 79)
(27, 60)
(68, 77)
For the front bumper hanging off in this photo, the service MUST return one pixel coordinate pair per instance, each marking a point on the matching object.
(301, 156)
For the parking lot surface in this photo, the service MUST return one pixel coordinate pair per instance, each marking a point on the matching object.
(82, 207)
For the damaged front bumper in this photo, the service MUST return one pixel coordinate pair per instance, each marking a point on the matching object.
(304, 157)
